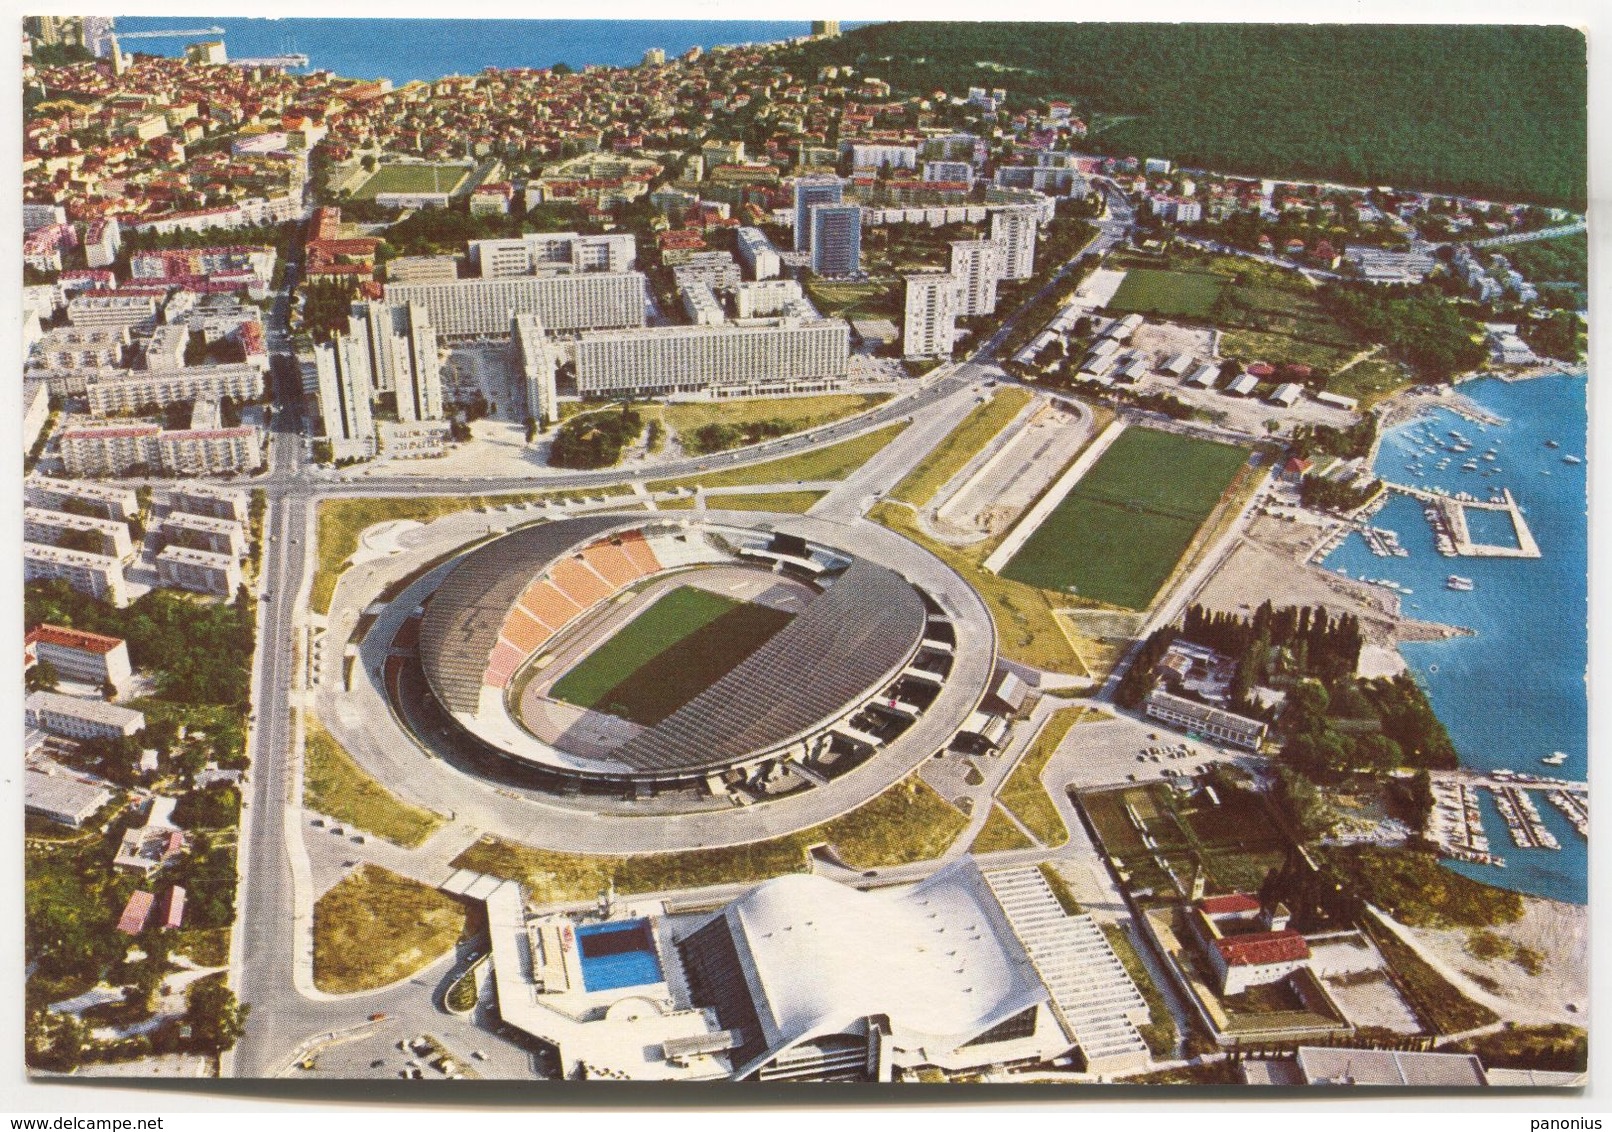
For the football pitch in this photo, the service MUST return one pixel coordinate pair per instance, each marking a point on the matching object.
(413, 179)
(1118, 534)
(668, 654)
(1184, 294)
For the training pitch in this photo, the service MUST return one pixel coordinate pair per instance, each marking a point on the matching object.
(668, 654)
(413, 179)
(1118, 534)
(1173, 294)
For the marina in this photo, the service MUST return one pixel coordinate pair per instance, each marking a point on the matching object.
(1574, 807)
(1446, 514)
(1522, 819)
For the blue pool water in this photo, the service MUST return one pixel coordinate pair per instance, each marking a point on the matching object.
(618, 954)
(1515, 691)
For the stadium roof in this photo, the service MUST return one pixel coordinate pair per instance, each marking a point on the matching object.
(861, 629)
(938, 960)
(467, 610)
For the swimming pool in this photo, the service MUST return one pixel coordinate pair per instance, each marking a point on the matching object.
(617, 954)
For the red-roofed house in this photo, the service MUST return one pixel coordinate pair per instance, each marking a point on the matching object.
(1246, 943)
(136, 913)
(174, 916)
(86, 658)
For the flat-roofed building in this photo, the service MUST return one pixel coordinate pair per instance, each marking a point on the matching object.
(535, 253)
(810, 191)
(756, 252)
(200, 571)
(58, 798)
(108, 500)
(929, 324)
(1212, 722)
(422, 269)
(403, 356)
(700, 303)
(131, 392)
(717, 270)
(767, 297)
(1015, 229)
(836, 236)
(483, 307)
(98, 575)
(35, 412)
(108, 450)
(537, 362)
(108, 536)
(112, 308)
(84, 658)
(977, 265)
(165, 349)
(774, 354)
(68, 348)
(1319, 1065)
(79, 717)
(210, 499)
(203, 532)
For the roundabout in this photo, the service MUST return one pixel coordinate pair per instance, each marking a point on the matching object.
(647, 682)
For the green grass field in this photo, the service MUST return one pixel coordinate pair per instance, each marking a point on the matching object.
(413, 179)
(1173, 294)
(1118, 535)
(668, 654)
(961, 445)
(833, 462)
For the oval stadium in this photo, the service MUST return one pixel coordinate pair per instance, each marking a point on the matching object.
(635, 654)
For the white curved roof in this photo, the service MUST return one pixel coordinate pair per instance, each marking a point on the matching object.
(939, 960)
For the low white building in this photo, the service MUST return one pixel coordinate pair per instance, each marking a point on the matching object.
(75, 717)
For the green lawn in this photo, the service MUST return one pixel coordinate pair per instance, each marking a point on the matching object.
(413, 179)
(795, 502)
(961, 445)
(1117, 536)
(1023, 793)
(335, 785)
(908, 822)
(792, 414)
(668, 654)
(375, 927)
(1172, 294)
(999, 834)
(834, 462)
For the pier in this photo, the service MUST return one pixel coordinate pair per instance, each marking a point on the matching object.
(1450, 527)
(1522, 819)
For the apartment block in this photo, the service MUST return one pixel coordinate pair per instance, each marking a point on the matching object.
(200, 571)
(482, 307)
(84, 658)
(131, 392)
(111, 536)
(766, 354)
(930, 319)
(537, 360)
(203, 532)
(98, 575)
(78, 717)
(210, 500)
(108, 500)
(977, 265)
(1015, 229)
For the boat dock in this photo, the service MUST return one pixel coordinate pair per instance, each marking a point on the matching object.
(1574, 807)
(1447, 515)
(1522, 819)
(1455, 824)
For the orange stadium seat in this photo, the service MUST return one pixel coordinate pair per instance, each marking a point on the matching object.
(614, 566)
(579, 583)
(525, 632)
(550, 605)
(639, 553)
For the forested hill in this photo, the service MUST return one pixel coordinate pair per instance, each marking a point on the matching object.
(1494, 111)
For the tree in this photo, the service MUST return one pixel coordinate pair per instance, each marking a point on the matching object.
(42, 677)
(531, 429)
(217, 1020)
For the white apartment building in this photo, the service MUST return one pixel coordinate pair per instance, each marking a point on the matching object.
(42, 526)
(109, 501)
(345, 392)
(422, 269)
(112, 310)
(538, 252)
(766, 297)
(107, 450)
(80, 348)
(700, 303)
(402, 357)
(717, 270)
(115, 450)
(1015, 229)
(930, 322)
(203, 532)
(878, 156)
(84, 658)
(200, 571)
(977, 264)
(483, 307)
(210, 500)
(756, 252)
(130, 392)
(781, 354)
(98, 575)
(536, 358)
(78, 717)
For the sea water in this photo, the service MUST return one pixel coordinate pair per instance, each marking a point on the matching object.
(1515, 691)
(406, 50)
